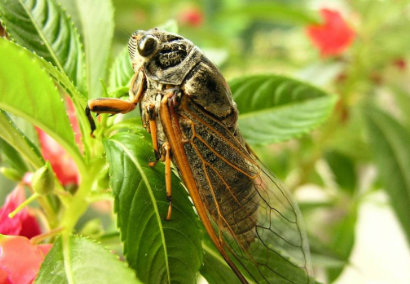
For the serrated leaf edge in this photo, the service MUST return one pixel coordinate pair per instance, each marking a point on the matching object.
(59, 67)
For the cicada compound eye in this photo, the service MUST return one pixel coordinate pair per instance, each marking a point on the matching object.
(147, 45)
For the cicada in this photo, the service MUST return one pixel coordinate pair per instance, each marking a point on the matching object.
(187, 106)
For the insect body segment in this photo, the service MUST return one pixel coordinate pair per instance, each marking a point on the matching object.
(187, 107)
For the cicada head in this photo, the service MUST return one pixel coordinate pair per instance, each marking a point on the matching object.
(166, 57)
(142, 46)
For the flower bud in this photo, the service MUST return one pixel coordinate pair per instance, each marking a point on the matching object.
(43, 180)
(10, 173)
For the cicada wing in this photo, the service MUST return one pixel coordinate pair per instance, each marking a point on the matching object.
(278, 249)
(258, 223)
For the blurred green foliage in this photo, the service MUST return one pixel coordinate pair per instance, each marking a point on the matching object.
(369, 127)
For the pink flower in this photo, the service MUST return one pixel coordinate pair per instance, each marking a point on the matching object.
(192, 17)
(23, 223)
(20, 260)
(62, 164)
(74, 122)
(333, 36)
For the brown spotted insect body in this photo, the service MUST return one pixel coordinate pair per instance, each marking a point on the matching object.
(187, 107)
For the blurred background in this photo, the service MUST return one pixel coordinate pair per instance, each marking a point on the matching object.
(351, 176)
(361, 54)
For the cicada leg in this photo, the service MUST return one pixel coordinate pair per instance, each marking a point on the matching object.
(114, 106)
(167, 154)
(166, 158)
(166, 147)
(150, 109)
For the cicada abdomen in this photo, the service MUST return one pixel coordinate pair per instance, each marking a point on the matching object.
(187, 107)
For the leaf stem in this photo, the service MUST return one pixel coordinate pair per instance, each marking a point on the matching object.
(73, 212)
(67, 257)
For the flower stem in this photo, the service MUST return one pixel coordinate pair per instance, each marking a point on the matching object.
(37, 239)
(24, 204)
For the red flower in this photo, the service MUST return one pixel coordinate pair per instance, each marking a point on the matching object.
(62, 164)
(191, 17)
(400, 64)
(23, 223)
(20, 260)
(333, 36)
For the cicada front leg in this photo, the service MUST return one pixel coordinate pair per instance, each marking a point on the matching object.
(114, 106)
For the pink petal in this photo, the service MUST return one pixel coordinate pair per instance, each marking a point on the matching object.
(333, 36)
(17, 196)
(20, 259)
(23, 223)
(74, 122)
(45, 248)
(30, 227)
(12, 226)
(4, 277)
(27, 178)
(62, 164)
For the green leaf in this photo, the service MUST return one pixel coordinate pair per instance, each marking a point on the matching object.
(64, 82)
(121, 74)
(275, 108)
(27, 91)
(90, 262)
(44, 28)
(12, 157)
(390, 144)
(343, 169)
(160, 251)
(13, 136)
(346, 141)
(342, 241)
(272, 11)
(91, 15)
(26, 128)
(324, 256)
(58, 76)
(170, 26)
(402, 98)
(214, 269)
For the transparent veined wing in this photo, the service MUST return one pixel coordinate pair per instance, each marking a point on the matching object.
(257, 221)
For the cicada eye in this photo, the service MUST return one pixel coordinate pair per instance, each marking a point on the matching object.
(147, 45)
